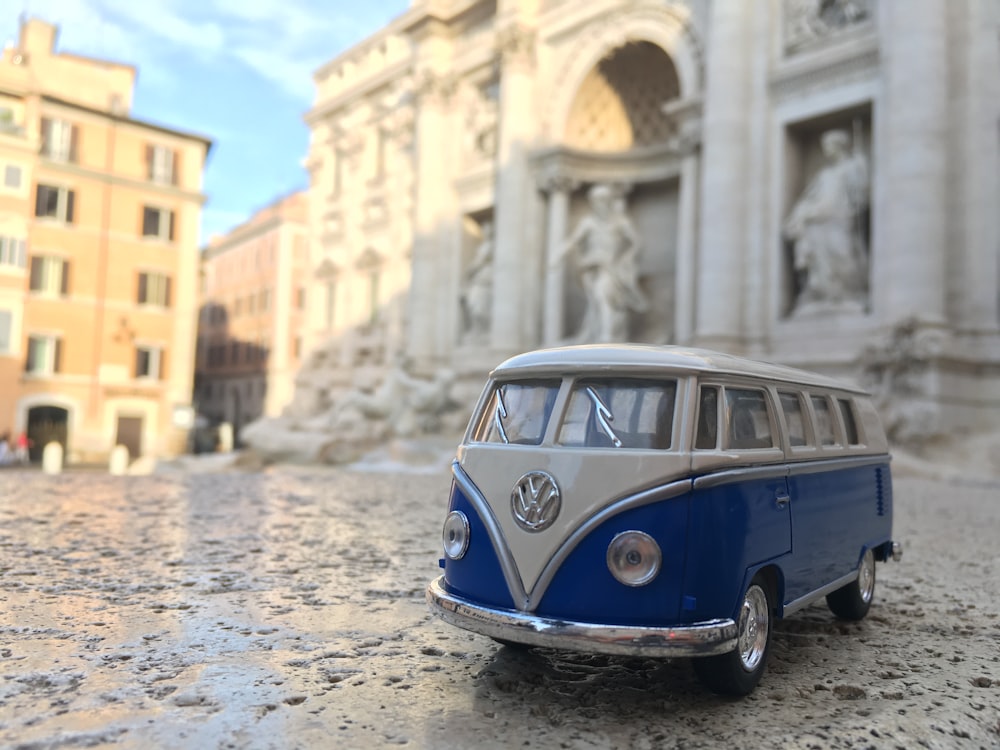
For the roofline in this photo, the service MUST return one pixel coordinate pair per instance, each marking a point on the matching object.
(677, 359)
(131, 120)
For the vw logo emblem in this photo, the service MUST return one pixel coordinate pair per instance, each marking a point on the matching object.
(535, 501)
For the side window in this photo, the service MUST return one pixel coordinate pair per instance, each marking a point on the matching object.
(749, 422)
(791, 405)
(850, 424)
(707, 436)
(824, 420)
(620, 413)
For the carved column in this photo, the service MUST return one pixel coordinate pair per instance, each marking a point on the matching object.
(558, 186)
(516, 46)
(978, 111)
(910, 249)
(432, 200)
(724, 193)
(687, 232)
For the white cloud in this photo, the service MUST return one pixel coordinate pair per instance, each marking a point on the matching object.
(283, 41)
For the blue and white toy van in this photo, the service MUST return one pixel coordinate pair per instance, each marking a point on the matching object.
(663, 501)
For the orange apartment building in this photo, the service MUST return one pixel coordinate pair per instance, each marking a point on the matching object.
(253, 315)
(99, 224)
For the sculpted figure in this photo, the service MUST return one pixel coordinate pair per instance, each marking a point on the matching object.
(477, 300)
(825, 227)
(607, 247)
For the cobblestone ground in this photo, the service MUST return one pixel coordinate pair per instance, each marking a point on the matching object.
(285, 608)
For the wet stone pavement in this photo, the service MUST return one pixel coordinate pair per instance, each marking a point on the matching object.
(285, 609)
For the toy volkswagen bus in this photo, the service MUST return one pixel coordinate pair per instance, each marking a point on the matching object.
(662, 501)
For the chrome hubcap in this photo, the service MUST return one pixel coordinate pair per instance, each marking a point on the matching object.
(866, 577)
(753, 628)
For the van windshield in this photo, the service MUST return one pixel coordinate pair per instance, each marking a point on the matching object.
(517, 413)
(620, 413)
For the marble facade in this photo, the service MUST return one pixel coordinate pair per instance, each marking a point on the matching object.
(806, 179)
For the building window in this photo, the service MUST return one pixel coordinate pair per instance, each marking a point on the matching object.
(59, 139)
(6, 323)
(154, 289)
(297, 347)
(55, 203)
(49, 275)
(300, 299)
(44, 355)
(265, 300)
(147, 362)
(12, 177)
(161, 164)
(13, 252)
(157, 222)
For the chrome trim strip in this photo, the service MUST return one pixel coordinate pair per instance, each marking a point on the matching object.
(736, 475)
(661, 492)
(815, 466)
(510, 572)
(788, 468)
(698, 639)
(812, 596)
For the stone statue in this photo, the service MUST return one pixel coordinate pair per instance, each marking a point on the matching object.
(825, 227)
(607, 246)
(477, 299)
(809, 20)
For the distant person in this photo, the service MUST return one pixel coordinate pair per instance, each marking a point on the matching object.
(21, 448)
(5, 453)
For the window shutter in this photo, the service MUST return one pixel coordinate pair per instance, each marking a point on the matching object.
(162, 365)
(5, 325)
(149, 162)
(70, 197)
(166, 292)
(175, 162)
(57, 356)
(64, 286)
(41, 199)
(138, 362)
(170, 234)
(143, 290)
(46, 135)
(74, 140)
(29, 361)
(35, 279)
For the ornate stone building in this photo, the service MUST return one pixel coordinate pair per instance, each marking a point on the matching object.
(813, 182)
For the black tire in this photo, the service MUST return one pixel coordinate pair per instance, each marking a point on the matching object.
(738, 672)
(852, 602)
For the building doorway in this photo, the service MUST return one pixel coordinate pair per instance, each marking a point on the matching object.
(129, 434)
(46, 424)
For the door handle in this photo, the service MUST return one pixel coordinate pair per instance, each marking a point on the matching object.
(781, 500)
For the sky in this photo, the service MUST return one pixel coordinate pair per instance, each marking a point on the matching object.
(236, 71)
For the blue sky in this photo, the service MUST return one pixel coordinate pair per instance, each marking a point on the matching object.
(236, 71)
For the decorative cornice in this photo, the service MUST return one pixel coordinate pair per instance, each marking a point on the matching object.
(515, 44)
(846, 63)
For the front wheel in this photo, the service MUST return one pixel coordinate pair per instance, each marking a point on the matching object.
(739, 671)
(852, 602)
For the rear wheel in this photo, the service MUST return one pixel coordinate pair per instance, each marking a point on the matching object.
(739, 671)
(853, 601)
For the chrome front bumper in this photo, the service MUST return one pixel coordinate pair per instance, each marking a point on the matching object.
(698, 639)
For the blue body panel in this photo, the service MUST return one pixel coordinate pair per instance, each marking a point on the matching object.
(828, 510)
(585, 590)
(733, 527)
(477, 575)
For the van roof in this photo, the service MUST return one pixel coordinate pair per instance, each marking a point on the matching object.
(613, 358)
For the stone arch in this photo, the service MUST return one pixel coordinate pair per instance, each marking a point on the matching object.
(619, 105)
(669, 28)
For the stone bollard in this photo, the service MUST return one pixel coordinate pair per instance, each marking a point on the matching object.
(225, 438)
(118, 463)
(52, 458)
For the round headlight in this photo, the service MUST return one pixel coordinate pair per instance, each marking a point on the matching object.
(455, 535)
(634, 558)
